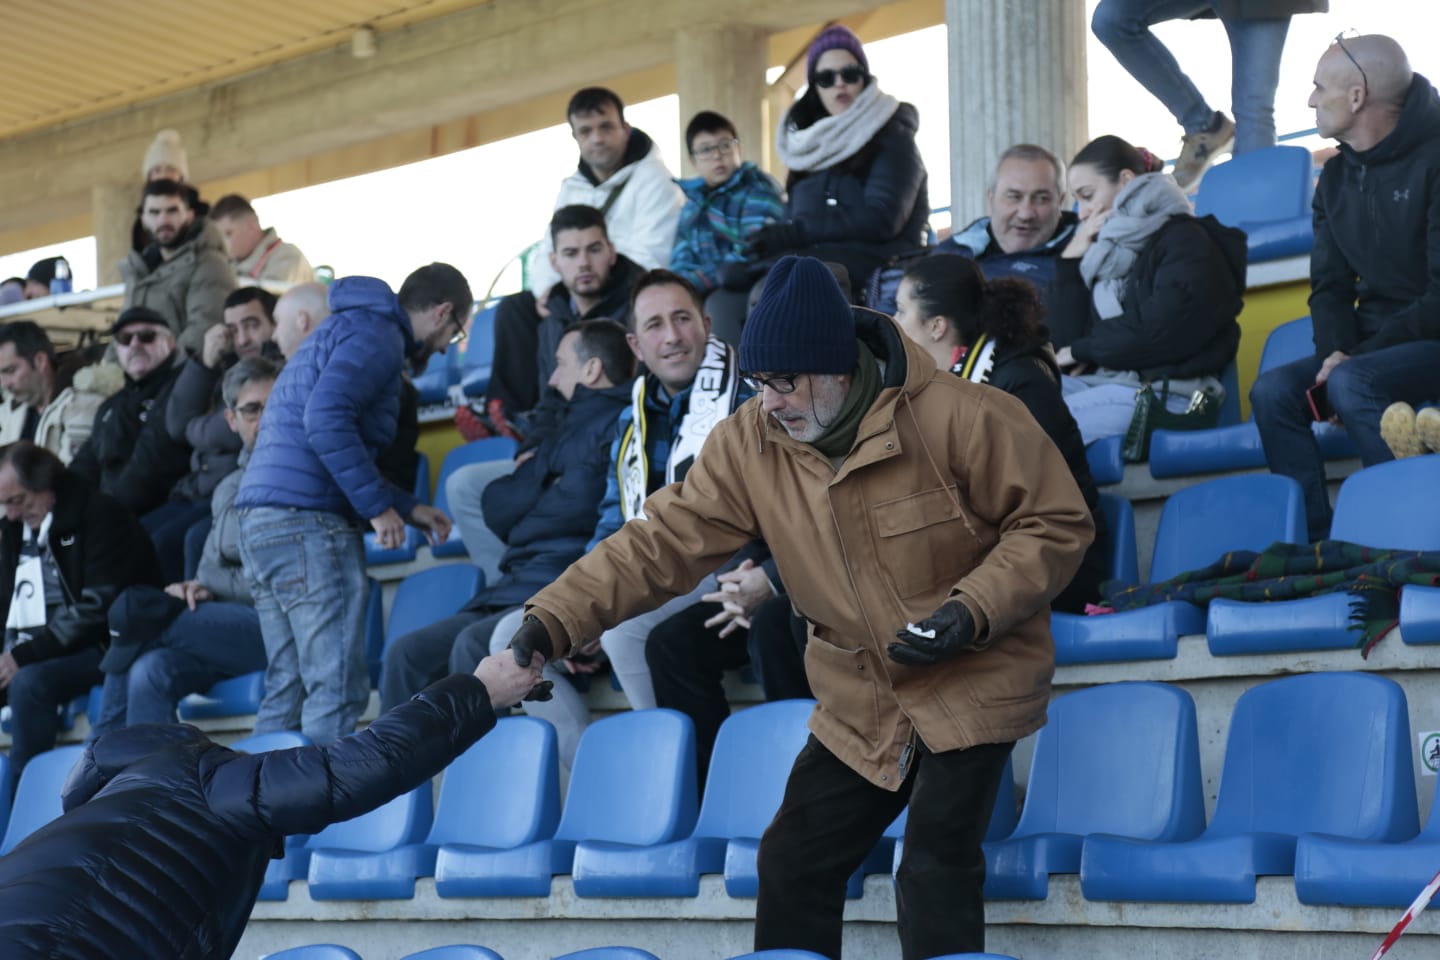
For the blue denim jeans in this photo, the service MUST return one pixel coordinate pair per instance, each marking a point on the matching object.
(35, 695)
(1359, 390)
(307, 573)
(1255, 49)
(199, 648)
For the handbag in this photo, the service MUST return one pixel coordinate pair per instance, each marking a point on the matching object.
(1151, 414)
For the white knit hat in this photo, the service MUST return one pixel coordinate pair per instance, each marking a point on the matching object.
(166, 149)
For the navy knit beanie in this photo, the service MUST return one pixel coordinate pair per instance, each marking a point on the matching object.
(801, 324)
(835, 37)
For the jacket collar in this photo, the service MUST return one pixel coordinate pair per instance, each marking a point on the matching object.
(636, 149)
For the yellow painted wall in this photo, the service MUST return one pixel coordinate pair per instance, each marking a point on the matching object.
(1265, 309)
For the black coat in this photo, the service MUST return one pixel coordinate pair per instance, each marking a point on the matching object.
(130, 454)
(165, 838)
(1377, 236)
(869, 208)
(1179, 308)
(99, 549)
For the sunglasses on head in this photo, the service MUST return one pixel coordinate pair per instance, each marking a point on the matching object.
(825, 79)
(127, 337)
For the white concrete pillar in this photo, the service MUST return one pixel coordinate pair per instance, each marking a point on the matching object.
(112, 210)
(722, 68)
(1017, 75)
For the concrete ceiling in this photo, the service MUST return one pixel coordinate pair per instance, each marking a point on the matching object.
(69, 59)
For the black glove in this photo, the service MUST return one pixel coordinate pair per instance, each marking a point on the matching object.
(774, 239)
(530, 639)
(954, 634)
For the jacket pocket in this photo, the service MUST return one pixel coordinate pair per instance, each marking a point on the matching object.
(844, 681)
(925, 541)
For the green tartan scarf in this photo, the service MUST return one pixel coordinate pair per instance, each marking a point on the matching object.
(1288, 571)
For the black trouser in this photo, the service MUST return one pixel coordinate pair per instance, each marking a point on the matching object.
(777, 650)
(515, 373)
(419, 658)
(831, 818)
(687, 663)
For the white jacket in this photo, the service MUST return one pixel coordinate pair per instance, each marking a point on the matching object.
(641, 222)
(65, 424)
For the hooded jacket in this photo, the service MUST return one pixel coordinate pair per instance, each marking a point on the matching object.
(130, 455)
(1375, 266)
(1036, 264)
(333, 409)
(189, 289)
(99, 549)
(640, 220)
(716, 222)
(950, 492)
(65, 423)
(166, 834)
(1180, 306)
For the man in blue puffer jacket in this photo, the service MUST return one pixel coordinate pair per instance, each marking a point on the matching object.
(166, 835)
(312, 482)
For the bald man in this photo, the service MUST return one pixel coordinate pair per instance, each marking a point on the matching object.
(1374, 270)
(298, 312)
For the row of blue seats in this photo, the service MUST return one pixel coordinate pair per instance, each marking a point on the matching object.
(330, 951)
(1385, 506)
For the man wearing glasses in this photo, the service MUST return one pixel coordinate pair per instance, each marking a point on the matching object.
(729, 201)
(312, 483)
(922, 524)
(1374, 271)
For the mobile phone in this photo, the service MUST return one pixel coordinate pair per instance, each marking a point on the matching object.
(1319, 403)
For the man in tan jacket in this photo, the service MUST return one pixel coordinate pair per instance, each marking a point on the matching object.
(891, 494)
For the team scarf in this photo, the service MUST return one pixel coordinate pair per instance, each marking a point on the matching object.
(712, 397)
(975, 362)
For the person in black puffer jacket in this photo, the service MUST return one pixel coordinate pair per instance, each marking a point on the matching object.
(1145, 291)
(163, 845)
(991, 331)
(857, 184)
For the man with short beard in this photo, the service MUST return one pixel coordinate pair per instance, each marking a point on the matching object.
(183, 274)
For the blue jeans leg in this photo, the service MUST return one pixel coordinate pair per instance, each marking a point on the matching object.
(307, 572)
(1123, 26)
(214, 641)
(35, 695)
(1362, 387)
(1255, 49)
(1282, 416)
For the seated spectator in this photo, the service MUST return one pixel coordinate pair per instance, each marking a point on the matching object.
(991, 331)
(41, 275)
(12, 290)
(691, 383)
(857, 183)
(312, 481)
(66, 552)
(1152, 290)
(543, 511)
(50, 401)
(257, 253)
(165, 647)
(594, 283)
(182, 274)
(165, 159)
(130, 456)
(730, 200)
(196, 415)
(1374, 269)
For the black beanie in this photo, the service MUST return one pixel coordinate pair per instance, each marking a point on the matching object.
(801, 324)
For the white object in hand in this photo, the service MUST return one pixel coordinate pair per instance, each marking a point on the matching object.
(927, 634)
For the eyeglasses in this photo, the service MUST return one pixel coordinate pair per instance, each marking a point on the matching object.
(715, 149)
(460, 334)
(1340, 42)
(825, 79)
(250, 411)
(780, 383)
(127, 337)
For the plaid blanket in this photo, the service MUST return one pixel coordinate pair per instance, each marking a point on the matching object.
(1287, 571)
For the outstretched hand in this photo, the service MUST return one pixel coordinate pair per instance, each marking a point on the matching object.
(506, 681)
(530, 642)
(946, 633)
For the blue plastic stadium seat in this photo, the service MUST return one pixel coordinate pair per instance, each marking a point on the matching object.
(374, 630)
(1120, 522)
(1120, 759)
(430, 596)
(1324, 753)
(344, 856)
(459, 951)
(376, 555)
(1267, 194)
(236, 697)
(476, 451)
(278, 873)
(1420, 614)
(748, 769)
(1178, 453)
(479, 352)
(441, 373)
(315, 951)
(1377, 508)
(1003, 817)
(1197, 525)
(422, 478)
(1106, 465)
(609, 953)
(515, 768)
(633, 783)
(37, 798)
(5, 790)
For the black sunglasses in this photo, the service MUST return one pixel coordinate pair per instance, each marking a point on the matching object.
(126, 337)
(780, 383)
(1340, 42)
(825, 79)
